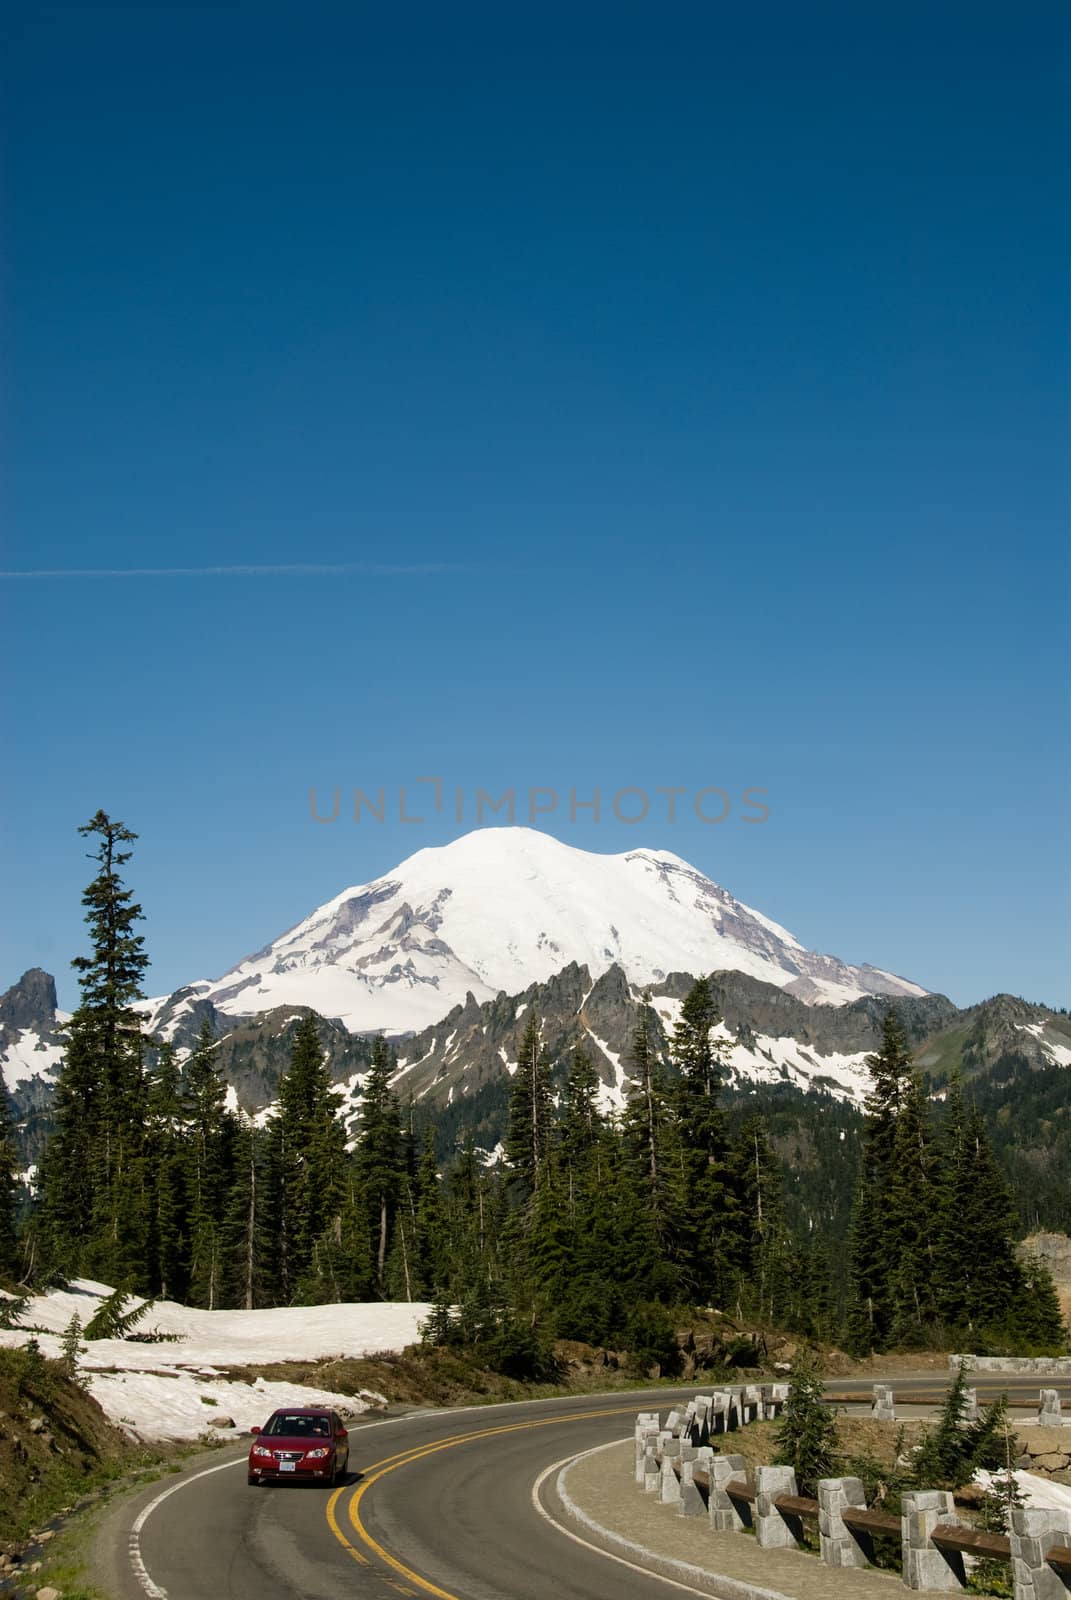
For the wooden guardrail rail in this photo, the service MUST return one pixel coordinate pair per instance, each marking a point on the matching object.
(1059, 1559)
(870, 1521)
(971, 1541)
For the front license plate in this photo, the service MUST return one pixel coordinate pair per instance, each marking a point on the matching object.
(288, 1466)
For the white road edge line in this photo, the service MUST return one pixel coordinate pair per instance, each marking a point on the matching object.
(734, 1588)
(137, 1560)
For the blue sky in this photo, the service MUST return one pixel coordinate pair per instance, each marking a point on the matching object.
(678, 394)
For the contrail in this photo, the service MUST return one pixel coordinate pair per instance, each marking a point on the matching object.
(368, 569)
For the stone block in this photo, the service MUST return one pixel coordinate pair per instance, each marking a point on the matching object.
(669, 1489)
(883, 1409)
(925, 1566)
(840, 1547)
(1049, 1412)
(1033, 1533)
(726, 1516)
(774, 1530)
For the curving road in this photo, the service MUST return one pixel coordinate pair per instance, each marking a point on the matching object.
(436, 1503)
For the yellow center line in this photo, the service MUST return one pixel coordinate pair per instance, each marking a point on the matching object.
(380, 1469)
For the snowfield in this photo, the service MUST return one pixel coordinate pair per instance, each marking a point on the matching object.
(173, 1389)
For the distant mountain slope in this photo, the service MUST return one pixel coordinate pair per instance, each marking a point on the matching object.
(503, 908)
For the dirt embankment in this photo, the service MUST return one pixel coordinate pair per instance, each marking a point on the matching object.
(55, 1443)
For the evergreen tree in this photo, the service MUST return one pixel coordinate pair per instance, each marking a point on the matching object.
(530, 1110)
(891, 1265)
(910, 1203)
(807, 1432)
(209, 1142)
(307, 1160)
(978, 1280)
(246, 1240)
(166, 1163)
(379, 1156)
(96, 1205)
(9, 1184)
(707, 1206)
(648, 1134)
(431, 1223)
(763, 1281)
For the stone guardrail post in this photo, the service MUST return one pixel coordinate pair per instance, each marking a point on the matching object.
(646, 1434)
(925, 1566)
(840, 1545)
(774, 1398)
(883, 1409)
(652, 1468)
(691, 1500)
(1033, 1534)
(725, 1515)
(1049, 1410)
(970, 1412)
(774, 1529)
(669, 1489)
(750, 1404)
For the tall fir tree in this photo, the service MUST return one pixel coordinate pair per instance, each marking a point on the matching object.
(708, 1208)
(306, 1154)
(166, 1162)
(530, 1111)
(9, 1185)
(648, 1136)
(874, 1265)
(96, 1205)
(379, 1157)
(210, 1144)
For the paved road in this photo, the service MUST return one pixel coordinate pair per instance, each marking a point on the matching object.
(437, 1503)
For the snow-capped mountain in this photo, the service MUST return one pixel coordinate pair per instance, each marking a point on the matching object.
(502, 908)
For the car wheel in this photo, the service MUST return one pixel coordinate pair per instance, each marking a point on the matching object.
(251, 1480)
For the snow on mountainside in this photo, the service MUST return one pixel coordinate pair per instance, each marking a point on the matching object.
(502, 908)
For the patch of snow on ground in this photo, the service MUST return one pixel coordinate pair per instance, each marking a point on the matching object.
(1039, 1492)
(157, 1387)
(180, 1405)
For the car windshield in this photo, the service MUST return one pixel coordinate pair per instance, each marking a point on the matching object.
(295, 1424)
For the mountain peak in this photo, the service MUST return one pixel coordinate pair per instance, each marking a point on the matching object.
(501, 908)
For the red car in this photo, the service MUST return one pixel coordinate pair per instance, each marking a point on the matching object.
(300, 1444)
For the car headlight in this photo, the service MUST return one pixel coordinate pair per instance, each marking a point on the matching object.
(318, 1455)
(262, 1450)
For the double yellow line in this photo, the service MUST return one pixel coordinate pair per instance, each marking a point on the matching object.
(380, 1469)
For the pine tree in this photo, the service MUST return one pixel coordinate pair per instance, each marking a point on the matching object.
(707, 1202)
(307, 1162)
(379, 1156)
(431, 1223)
(648, 1131)
(209, 1144)
(910, 1203)
(881, 1295)
(807, 1432)
(979, 1281)
(96, 1206)
(530, 1111)
(166, 1163)
(762, 1283)
(246, 1241)
(9, 1184)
